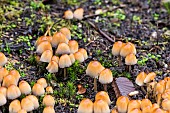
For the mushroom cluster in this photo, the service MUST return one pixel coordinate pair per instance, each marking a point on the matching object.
(97, 71)
(127, 50)
(124, 105)
(101, 104)
(78, 14)
(11, 90)
(66, 50)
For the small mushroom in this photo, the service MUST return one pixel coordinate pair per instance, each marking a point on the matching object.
(130, 60)
(38, 89)
(14, 106)
(49, 109)
(3, 59)
(84, 52)
(103, 96)
(81, 89)
(58, 37)
(101, 106)
(68, 14)
(15, 74)
(78, 13)
(55, 58)
(72, 58)
(62, 48)
(49, 89)
(27, 104)
(133, 104)
(122, 104)
(116, 50)
(52, 67)
(9, 80)
(79, 56)
(34, 100)
(48, 100)
(73, 45)
(3, 99)
(46, 56)
(3, 90)
(93, 70)
(24, 87)
(85, 106)
(66, 32)
(127, 49)
(13, 92)
(43, 38)
(3, 73)
(150, 77)
(166, 104)
(105, 78)
(44, 45)
(65, 62)
(43, 82)
(140, 78)
(145, 103)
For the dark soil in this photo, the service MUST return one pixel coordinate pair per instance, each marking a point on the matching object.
(142, 19)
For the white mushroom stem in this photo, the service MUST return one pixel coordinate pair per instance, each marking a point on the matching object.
(95, 84)
(105, 87)
(120, 60)
(65, 72)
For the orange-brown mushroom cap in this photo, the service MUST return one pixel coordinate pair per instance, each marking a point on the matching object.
(105, 76)
(140, 78)
(78, 13)
(85, 106)
(117, 47)
(46, 56)
(127, 49)
(3, 73)
(122, 104)
(3, 59)
(151, 76)
(52, 67)
(84, 52)
(73, 45)
(68, 14)
(49, 109)
(58, 37)
(103, 96)
(38, 89)
(44, 45)
(94, 68)
(13, 92)
(66, 32)
(64, 61)
(130, 59)
(14, 106)
(62, 48)
(101, 106)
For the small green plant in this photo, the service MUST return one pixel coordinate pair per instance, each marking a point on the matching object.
(156, 16)
(48, 76)
(32, 59)
(142, 61)
(136, 18)
(166, 4)
(74, 71)
(9, 66)
(32, 83)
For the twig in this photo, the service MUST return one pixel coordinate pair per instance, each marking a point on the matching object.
(101, 32)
